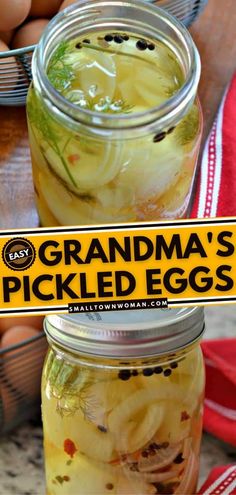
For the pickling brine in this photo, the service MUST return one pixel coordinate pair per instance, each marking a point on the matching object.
(112, 167)
(122, 427)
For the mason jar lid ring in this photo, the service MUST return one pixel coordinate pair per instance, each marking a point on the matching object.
(142, 333)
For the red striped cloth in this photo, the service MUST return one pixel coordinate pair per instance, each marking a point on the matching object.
(220, 395)
(220, 409)
(216, 184)
(221, 481)
(216, 197)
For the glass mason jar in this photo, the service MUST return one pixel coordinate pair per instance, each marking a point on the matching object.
(106, 159)
(122, 400)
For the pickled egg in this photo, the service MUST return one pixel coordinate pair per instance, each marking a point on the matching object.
(30, 33)
(66, 3)
(6, 36)
(14, 14)
(8, 80)
(30, 321)
(44, 8)
(22, 366)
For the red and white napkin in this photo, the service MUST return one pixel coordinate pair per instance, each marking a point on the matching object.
(220, 409)
(216, 197)
(220, 396)
(216, 183)
(221, 481)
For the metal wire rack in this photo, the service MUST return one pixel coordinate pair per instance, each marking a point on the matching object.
(15, 75)
(185, 10)
(15, 66)
(20, 377)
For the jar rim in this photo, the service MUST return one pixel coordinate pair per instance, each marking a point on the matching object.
(144, 332)
(163, 114)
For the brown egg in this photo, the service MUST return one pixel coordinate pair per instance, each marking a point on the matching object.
(66, 3)
(8, 81)
(13, 13)
(6, 36)
(44, 8)
(30, 33)
(32, 321)
(22, 367)
(16, 335)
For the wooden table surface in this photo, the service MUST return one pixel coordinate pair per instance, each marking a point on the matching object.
(214, 34)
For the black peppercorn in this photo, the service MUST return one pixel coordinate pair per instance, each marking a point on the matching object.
(164, 489)
(109, 486)
(152, 452)
(124, 375)
(158, 370)
(108, 37)
(159, 137)
(118, 39)
(170, 130)
(102, 428)
(78, 45)
(125, 37)
(141, 45)
(148, 372)
(86, 41)
(179, 459)
(167, 372)
(174, 365)
(151, 46)
(154, 446)
(135, 372)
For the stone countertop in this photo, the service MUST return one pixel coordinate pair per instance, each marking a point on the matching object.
(21, 453)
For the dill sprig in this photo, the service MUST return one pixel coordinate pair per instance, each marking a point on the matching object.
(188, 127)
(45, 125)
(60, 69)
(60, 72)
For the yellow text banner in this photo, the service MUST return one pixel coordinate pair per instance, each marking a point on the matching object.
(112, 267)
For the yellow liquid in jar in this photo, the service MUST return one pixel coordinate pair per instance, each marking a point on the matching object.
(133, 431)
(81, 179)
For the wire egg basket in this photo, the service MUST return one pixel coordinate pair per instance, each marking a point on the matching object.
(15, 66)
(15, 75)
(186, 11)
(20, 378)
